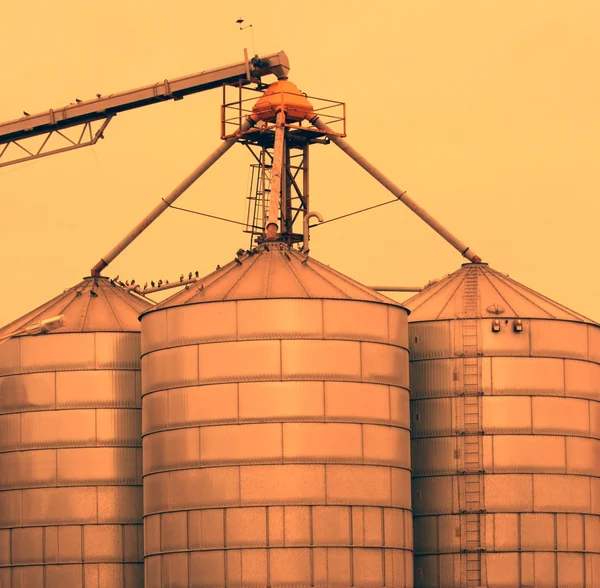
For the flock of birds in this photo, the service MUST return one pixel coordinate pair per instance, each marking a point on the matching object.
(130, 284)
(152, 284)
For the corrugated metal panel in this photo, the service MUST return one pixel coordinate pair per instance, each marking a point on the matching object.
(559, 339)
(529, 461)
(70, 446)
(430, 340)
(281, 456)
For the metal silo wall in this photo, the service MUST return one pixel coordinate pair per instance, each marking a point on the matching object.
(70, 461)
(276, 444)
(506, 453)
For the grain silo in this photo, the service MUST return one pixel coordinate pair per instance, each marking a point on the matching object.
(505, 416)
(70, 461)
(275, 430)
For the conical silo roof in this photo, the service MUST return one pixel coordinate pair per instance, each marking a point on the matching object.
(95, 304)
(274, 271)
(476, 290)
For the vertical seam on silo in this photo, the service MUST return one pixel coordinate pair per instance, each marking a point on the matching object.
(360, 349)
(239, 468)
(282, 450)
(587, 333)
(238, 401)
(225, 550)
(325, 480)
(532, 493)
(237, 321)
(198, 364)
(566, 456)
(390, 404)
(364, 524)
(280, 360)
(564, 362)
(324, 401)
(97, 509)
(44, 544)
(388, 325)
(382, 509)
(322, 319)
(283, 523)
(362, 443)
(199, 429)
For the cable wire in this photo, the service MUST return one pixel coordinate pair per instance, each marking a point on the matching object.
(355, 212)
(227, 220)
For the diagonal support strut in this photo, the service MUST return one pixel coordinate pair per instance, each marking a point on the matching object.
(168, 200)
(464, 249)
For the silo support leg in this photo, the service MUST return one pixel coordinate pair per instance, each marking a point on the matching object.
(396, 191)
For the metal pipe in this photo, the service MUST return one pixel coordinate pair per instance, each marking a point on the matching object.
(166, 202)
(397, 288)
(305, 179)
(307, 218)
(276, 173)
(44, 326)
(138, 289)
(395, 190)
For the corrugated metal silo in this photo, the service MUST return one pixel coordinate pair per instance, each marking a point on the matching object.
(70, 444)
(275, 430)
(505, 413)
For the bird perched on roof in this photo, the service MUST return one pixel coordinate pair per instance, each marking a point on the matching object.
(218, 267)
(166, 282)
(133, 282)
(127, 282)
(197, 274)
(145, 285)
(78, 100)
(26, 113)
(98, 95)
(190, 276)
(181, 278)
(152, 283)
(240, 252)
(116, 278)
(238, 261)
(160, 283)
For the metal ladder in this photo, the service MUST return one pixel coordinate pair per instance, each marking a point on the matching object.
(258, 199)
(471, 498)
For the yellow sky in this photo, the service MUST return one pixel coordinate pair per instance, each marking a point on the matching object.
(487, 113)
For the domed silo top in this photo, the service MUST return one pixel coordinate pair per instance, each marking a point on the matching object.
(95, 304)
(273, 271)
(478, 291)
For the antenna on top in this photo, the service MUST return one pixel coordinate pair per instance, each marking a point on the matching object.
(239, 21)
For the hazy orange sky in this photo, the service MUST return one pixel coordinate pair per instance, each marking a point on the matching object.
(487, 113)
